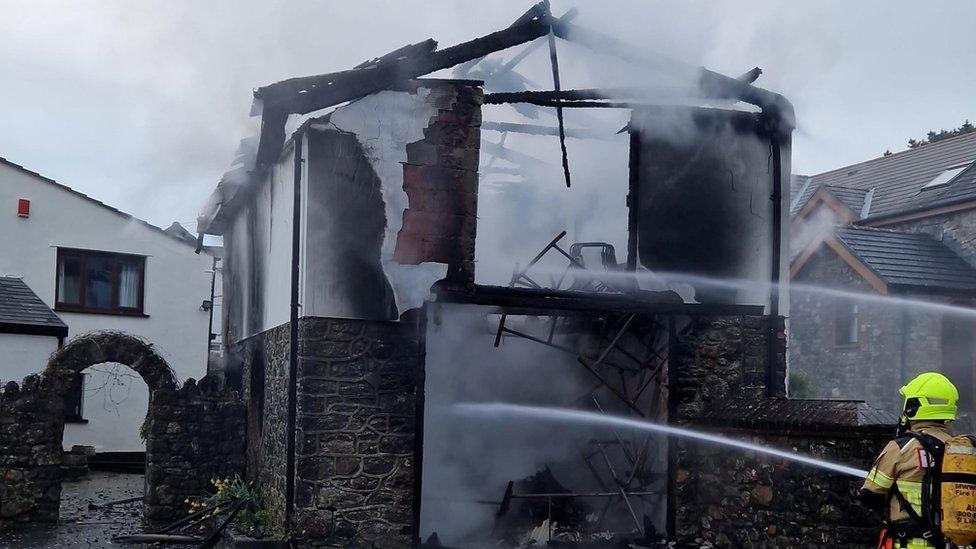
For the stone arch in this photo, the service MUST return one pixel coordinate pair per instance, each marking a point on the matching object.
(107, 346)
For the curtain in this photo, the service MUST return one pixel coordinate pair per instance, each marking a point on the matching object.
(129, 285)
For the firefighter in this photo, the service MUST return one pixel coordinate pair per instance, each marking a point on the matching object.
(903, 479)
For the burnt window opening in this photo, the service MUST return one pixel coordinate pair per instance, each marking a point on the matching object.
(846, 324)
(74, 400)
(258, 366)
(100, 282)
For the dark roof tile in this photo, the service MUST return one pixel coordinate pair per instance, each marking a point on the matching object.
(20, 307)
(909, 260)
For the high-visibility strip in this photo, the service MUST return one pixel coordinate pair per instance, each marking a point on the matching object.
(912, 490)
(880, 479)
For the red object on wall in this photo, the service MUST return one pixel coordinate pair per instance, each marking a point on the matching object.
(23, 208)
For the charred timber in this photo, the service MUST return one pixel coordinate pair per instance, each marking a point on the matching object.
(568, 95)
(538, 129)
(532, 301)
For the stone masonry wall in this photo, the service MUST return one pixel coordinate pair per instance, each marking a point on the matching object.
(356, 416)
(195, 433)
(719, 358)
(267, 413)
(738, 499)
(31, 425)
(873, 368)
(957, 230)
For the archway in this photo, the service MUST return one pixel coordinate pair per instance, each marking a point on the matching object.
(99, 347)
(89, 350)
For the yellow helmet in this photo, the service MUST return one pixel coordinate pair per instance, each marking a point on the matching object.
(930, 396)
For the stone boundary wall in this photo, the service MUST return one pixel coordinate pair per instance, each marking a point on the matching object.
(195, 434)
(195, 431)
(31, 425)
(357, 390)
(739, 499)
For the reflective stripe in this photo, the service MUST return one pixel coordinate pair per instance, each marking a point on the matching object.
(912, 490)
(880, 479)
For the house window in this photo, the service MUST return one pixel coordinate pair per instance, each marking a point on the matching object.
(100, 282)
(73, 400)
(846, 324)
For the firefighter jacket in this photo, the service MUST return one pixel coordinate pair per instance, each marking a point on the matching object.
(902, 463)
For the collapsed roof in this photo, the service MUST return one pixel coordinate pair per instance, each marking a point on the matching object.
(304, 95)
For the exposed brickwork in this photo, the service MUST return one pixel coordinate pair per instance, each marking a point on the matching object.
(440, 178)
(356, 415)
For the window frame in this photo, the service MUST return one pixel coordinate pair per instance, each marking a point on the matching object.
(850, 312)
(116, 259)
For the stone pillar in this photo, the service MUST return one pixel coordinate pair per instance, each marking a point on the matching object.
(355, 470)
(31, 425)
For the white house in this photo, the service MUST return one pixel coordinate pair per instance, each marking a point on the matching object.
(101, 269)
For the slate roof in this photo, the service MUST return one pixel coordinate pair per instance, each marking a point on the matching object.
(803, 415)
(22, 312)
(852, 198)
(907, 260)
(898, 179)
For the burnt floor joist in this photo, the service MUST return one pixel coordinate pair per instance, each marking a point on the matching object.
(531, 301)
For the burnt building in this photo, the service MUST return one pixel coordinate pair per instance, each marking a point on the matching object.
(358, 321)
(899, 230)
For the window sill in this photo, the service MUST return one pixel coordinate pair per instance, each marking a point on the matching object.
(77, 310)
(847, 346)
(78, 420)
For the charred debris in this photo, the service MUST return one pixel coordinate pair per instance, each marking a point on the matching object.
(350, 278)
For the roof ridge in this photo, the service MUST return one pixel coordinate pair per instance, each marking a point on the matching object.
(925, 147)
(92, 199)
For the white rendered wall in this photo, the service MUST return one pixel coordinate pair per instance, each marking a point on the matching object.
(177, 282)
(20, 354)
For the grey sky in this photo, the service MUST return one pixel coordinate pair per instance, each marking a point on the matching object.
(142, 104)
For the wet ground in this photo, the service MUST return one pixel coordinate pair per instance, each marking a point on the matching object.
(85, 520)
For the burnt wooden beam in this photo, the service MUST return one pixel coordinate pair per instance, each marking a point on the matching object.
(308, 94)
(498, 98)
(712, 84)
(554, 63)
(537, 129)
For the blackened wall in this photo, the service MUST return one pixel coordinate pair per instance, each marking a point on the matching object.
(264, 383)
(357, 393)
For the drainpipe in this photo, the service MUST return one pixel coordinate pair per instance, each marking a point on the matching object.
(772, 336)
(293, 337)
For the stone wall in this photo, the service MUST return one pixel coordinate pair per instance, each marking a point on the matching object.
(31, 425)
(742, 499)
(195, 433)
(265, 390)
(357, 393)
(894, 343)
(957, 230)
(718, 358)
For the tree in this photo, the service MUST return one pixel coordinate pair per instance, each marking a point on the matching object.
(933, 136)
